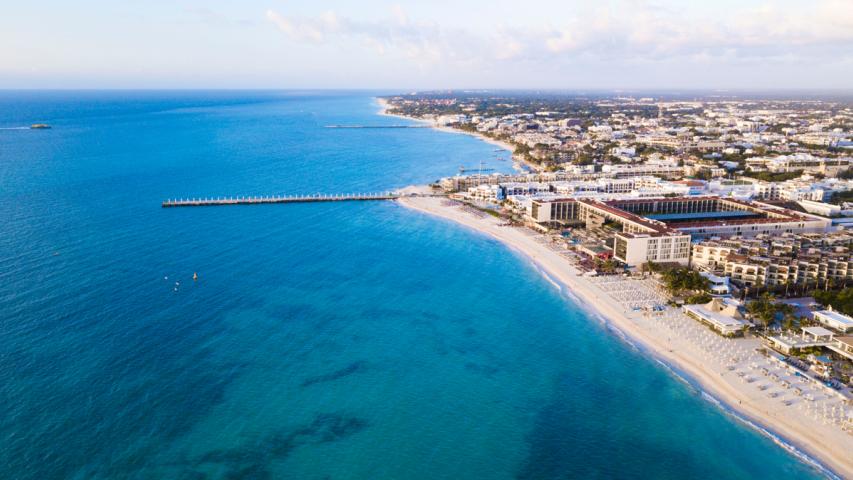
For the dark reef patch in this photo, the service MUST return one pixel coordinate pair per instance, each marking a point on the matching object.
(352, 368)
(252, 460)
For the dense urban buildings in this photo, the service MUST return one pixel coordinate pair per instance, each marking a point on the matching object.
(734, 205)
(661, 169)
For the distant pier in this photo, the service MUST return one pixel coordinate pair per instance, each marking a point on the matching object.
(256, 200)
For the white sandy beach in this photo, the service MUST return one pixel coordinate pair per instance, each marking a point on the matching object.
(761, 390)
(383, 104)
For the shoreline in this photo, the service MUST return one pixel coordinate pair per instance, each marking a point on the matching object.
(818, 445)
(518, 164)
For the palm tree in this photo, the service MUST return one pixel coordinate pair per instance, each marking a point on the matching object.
(759, 310)
(764, 309)
(651, 266)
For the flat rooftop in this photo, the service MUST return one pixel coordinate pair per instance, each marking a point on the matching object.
(836, 317)
(715, 317)
(698, 216)
(818, 331)
(643, 213)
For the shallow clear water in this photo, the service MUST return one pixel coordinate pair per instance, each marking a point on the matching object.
(357, 340)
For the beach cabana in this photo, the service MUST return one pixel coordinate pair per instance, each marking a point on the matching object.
(720, 314)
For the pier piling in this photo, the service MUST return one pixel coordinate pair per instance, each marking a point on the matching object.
(263, 199)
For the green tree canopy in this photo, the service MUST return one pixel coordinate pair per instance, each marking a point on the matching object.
(766, 310)
(683, 280)
(841, 300)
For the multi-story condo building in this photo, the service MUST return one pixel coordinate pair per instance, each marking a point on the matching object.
(802, 260)
(804, 188)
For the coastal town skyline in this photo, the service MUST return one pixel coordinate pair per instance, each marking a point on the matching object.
(722, 214)
(753, 45)
(426, 240)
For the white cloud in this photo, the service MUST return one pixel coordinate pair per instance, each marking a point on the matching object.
(562, 41)
(400, 15)
(508, 47)
(313, 29)
(627, 30)
(645, 30)
(425, 42)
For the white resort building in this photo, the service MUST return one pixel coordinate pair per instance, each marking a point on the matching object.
(834, 320)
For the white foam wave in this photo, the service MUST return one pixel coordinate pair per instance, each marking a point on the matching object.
(550, 279)
(789, 447)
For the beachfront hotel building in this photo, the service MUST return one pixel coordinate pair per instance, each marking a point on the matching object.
(635, 249)
(787, 260)
(661, 229)
(640, 240)
(705, 217)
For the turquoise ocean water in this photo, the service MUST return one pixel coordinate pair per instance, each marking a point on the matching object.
(323, 341)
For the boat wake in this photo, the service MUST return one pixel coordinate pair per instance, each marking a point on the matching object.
(14, 128)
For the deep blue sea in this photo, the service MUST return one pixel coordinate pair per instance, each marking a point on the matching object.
(321, 341)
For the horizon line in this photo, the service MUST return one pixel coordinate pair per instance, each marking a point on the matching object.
(445, 89)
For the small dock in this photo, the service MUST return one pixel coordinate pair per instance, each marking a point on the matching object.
(256, 200)
(464, 170)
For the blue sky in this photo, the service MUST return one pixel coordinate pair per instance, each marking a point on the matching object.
(564, 44)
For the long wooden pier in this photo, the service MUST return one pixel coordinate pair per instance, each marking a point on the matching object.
(255, 200)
